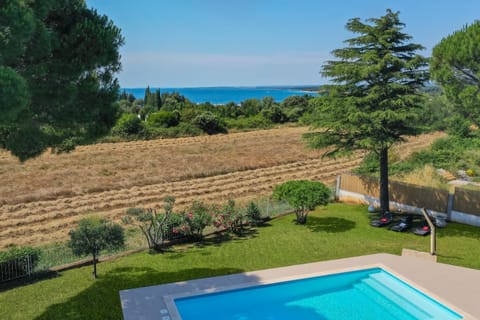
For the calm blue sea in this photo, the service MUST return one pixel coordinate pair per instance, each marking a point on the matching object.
(222, 95)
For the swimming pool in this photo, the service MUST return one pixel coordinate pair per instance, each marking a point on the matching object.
(365, 294)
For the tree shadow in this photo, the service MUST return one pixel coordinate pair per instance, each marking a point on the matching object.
(215, 239)
(26, 281)
(219, 238)
(101, 300)
(329, 224)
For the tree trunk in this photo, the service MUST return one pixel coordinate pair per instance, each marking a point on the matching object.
(384, 197)
(302, 217)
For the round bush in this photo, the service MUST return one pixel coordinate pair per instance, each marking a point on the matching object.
(210, 123)
(163, 119)
(128, 125)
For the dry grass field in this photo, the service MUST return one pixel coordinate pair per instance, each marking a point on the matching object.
(43, 198)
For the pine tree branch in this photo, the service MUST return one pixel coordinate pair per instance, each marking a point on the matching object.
(469, 77)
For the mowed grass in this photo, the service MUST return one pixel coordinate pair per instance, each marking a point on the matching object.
(337, 231)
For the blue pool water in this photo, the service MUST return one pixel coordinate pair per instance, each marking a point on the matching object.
(362, 295)
(223, 95)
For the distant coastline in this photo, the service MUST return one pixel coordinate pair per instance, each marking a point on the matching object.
(223, 95)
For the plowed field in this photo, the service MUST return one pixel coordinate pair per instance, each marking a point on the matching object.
(43, 198)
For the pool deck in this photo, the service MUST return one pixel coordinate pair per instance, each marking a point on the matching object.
(456, 287)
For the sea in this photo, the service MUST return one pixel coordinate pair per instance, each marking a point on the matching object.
(223, 95)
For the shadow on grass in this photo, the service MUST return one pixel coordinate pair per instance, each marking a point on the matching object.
(17, 283)
(329, 224)
(218, 239)
(102, 301)
(215, 239)
(459, 230)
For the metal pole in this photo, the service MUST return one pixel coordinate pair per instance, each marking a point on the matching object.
(433, 237)
(337, 188)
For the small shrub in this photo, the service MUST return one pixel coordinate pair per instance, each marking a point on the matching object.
(210, 123)
(196, 219)
(230, 218)
(303, 195)
(128, 125)
(274, 114)
(459, 127)
(185, 129)
(253, 214)
(163, 119)
(157, 227)
(254, 122)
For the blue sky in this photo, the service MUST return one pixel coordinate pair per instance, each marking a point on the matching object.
(192, 43)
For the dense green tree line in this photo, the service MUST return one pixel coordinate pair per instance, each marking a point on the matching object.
(175, 115)
(172, 114)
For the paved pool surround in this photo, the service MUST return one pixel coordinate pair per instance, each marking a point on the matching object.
(456, 287)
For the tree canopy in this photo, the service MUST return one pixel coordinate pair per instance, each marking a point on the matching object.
(371, 102)
(93, 235)
(303, 196)
(58, 59)
(455, 66)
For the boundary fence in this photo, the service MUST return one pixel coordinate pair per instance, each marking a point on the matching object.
(463, 205)
(16, 268)
(59, 257)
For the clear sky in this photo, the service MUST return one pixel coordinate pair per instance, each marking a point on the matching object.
(194, 43)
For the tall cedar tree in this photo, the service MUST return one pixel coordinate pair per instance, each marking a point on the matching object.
(456, 66)
(371, 103)
(58, 61)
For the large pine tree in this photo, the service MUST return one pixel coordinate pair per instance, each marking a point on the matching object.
(371, 102)
(456, 66)
(58, 60)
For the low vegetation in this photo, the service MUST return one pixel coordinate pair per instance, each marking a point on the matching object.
(303, 196)
(53, 192)
(332, 232)
(162, 115)
(190, 224)
(18, 262)
(458, 155)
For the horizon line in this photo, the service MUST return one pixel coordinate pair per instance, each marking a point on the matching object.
(227, 86)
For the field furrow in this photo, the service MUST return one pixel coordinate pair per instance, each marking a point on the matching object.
(48, 210)
(240, 166)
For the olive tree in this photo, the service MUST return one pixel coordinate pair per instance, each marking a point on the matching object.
(155, 225)
(94, 234)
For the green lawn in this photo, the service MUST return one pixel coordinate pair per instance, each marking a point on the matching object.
(337, 231)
